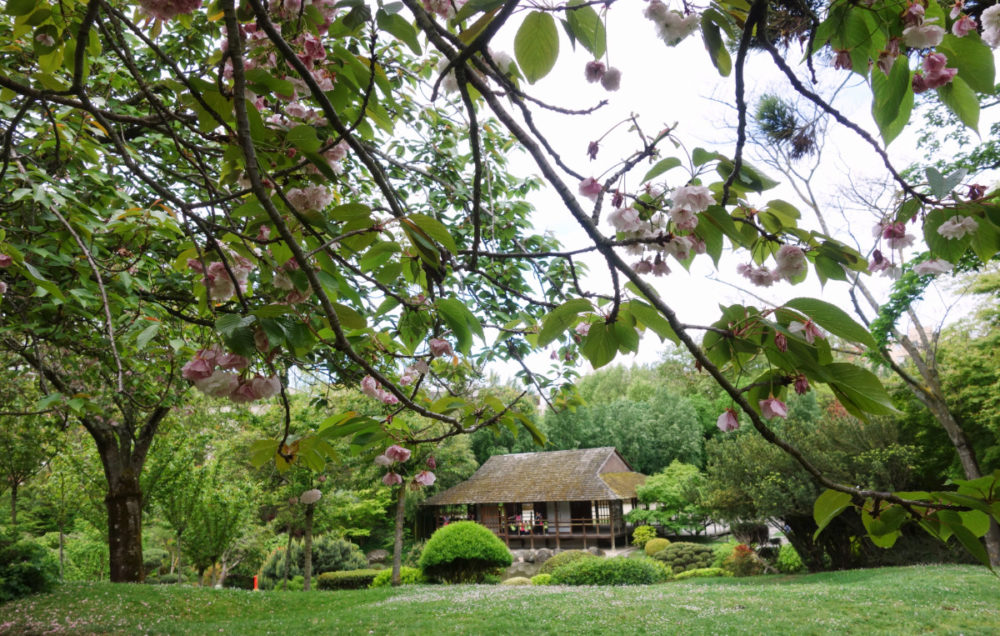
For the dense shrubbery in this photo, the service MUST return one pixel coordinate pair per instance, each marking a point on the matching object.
(655, 545)
(563, 558)
(722, 551)
(789, 561)
(744, 561)
(614, 571)
(346, 580)
(328, 555)
(682, 556)
(642, 534)
(701, 573)
(541, 579)
(463, 552)
(407, 576)
(26, 567)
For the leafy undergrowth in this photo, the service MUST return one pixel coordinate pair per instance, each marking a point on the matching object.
(927, 599)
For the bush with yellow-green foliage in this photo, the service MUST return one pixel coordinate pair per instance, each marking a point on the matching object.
(643, 534)
(407, 576)
(541, 579)
(516, 580)
(700, 573)
(683, 556)
(563, 558)
(655, 545)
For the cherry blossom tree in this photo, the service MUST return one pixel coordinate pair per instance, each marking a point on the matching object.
(327, 188)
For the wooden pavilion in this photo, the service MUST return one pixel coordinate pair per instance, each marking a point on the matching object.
(552, 499)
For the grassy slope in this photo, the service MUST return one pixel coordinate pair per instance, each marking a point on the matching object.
(929, 599)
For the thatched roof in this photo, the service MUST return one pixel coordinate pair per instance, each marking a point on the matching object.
(571, 475)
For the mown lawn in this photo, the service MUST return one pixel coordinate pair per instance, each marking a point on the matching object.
(914, 600)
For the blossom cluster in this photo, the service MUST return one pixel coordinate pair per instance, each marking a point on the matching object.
(167, 9)
(790, 264)
(661, 232)
(220, 285)
(444, 8)
(671, 26)
(310, 198)
(396, 454)
(373, 389)
(213, 372)
(609, 77)
(6, 260)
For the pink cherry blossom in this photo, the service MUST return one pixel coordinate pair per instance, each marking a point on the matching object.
(772, 407)
(231, 361)
(625, 220)
(956, 9)
(612, 79)
(791, 262)
(266, 387)
(896, 236)
(392, 479)
(167, 9)
(425, 478)
(582, 329)
(684, 218)
(964, 26)
(914, 14)
(310, 198)
(244, 392)
(311, 496)
(808, 329)
(660, 267)
(925, 36)
(261, 342)
(801, 385)
(728, 421)
(397, 453)
(594, 71)
(382, 460)
(958, 226)
(695, 198)
(781, 342)
(679, 247)
(842, 60)
(6, 260)
(196, 369)
(643, 267)
(3, 288)
(990, 19)
(431, 462)
(219, 384)
(760, 276)
(935, 73)
(440, 347)
(590, 188)
(370, 386)
(933, 266)
(45, 39)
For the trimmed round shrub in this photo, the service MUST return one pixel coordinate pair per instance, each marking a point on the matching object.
(655, 545)
(642, 534)
(683, 556)
(563, 558)
(702, 573)
(541, 579)
(26, 567)
(463, 552)
(345, 580)
(613, 571)
(517, 580)
(407, 576)
(789, 560)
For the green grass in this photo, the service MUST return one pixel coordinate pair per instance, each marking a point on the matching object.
(926, 599)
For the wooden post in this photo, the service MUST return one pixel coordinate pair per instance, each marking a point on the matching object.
(558, 531)
(613, 522)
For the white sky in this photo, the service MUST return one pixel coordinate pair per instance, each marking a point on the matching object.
(664, 86)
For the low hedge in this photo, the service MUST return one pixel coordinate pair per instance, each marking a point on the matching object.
(516, 580)
(700, 573)
(541, 579)
(563, 558)
(613, 571)
(682, 556)
(407, 576)
(347, 580)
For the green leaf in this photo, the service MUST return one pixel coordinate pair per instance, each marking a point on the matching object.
(893, 98)
(961, 100)
(965, 536)
(398, 26)
(348, 317)
(262, 451)
(561, 318)
(833, 319)
(600, 345)
(304, 138)
(436, 230)
(587, 27)
(476, 6)
(972, 58)
(20, 7)
(828, 505)
(716, 48)
(861, 386)
(661, 166)
(536, 45)
(226, 324)
(461, 321)
(649, 317)
(147, 334)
